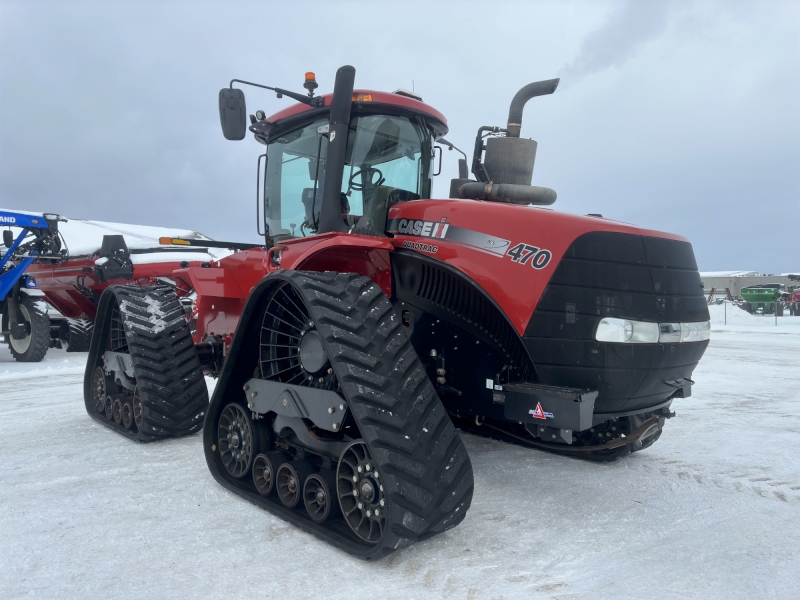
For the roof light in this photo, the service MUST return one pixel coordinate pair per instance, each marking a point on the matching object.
(407, 94)
(168, 241)
(311, 83)
(362, 97)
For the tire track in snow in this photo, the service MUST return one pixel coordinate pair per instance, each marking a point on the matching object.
(749, 482)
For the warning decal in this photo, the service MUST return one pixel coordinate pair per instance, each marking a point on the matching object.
(538, 412)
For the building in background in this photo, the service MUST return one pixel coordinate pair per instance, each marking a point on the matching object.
(736, 280)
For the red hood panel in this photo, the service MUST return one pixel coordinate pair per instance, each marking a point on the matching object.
(511, 251)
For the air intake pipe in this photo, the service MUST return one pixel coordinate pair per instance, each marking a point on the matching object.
(507, 192)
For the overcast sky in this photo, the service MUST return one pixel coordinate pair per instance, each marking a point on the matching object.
(680, 116)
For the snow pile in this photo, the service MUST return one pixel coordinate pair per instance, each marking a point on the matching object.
(212, 254)
(85, 237)
(729, 273)
(735, 315)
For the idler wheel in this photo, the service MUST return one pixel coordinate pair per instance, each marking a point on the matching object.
(235, 438)
(137, 408)
(289, 481)
(117, 411)
(360, 491)
(108, 407)
(127, 415)
(318, 497)
(264, 467)
(99, 389)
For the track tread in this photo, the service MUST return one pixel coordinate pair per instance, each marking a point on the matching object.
(394, 403)
(171, 383)
(80, 334)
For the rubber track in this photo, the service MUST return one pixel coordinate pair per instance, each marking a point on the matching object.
(80, 334)
(40, 332)
(422, 460)
(171, 383)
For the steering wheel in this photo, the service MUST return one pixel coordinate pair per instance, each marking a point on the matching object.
(370, 173)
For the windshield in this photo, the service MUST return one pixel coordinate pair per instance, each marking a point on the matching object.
(388, 160)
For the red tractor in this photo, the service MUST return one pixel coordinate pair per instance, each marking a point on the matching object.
(373, 321)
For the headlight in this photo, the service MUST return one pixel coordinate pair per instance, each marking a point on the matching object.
(696, 332)
(626, 331)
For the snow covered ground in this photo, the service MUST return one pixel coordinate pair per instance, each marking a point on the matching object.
(712, 510)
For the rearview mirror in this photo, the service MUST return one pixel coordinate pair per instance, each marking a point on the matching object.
(232, 113)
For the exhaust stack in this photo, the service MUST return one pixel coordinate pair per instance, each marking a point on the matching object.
(508, 160)
(538, 88)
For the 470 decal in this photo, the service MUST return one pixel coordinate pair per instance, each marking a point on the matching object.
(525, 253)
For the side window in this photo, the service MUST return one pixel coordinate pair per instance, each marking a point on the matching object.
(290, 180)
(295, 184)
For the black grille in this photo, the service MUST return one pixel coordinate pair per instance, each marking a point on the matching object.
(461, 299)
(605, 274)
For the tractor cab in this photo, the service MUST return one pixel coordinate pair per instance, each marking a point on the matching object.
(388, 160)
(385, 155)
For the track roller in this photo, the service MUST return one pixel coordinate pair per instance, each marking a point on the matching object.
(127, 415)
(117, 411)
(289, 481)
(109, 408)
(264, 468)
(319, 496)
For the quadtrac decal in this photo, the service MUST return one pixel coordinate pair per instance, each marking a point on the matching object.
(523, 254)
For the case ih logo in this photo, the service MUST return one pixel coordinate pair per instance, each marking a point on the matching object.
(423, 228)
(521, 254)
(7, 220)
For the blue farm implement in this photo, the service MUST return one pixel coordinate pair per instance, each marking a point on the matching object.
(25, 322)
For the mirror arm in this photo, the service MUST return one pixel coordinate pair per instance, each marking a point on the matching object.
(318, 101)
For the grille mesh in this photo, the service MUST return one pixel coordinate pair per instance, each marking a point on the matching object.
(458, 297)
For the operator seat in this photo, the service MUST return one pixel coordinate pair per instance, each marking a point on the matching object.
(377, 210)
